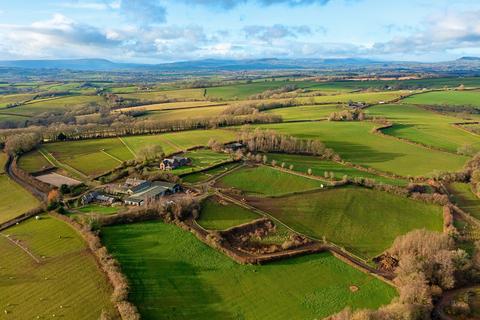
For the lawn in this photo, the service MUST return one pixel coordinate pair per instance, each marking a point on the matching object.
(422, 126)
(356, 143)
(463, 98)
(267, 182)
(302, 163)
(66, 283)
(219, 215)
(363, 221)
(465, 198)
(174, 276)
(98, 209)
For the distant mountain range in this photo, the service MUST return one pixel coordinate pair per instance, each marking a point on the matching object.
(235, 65)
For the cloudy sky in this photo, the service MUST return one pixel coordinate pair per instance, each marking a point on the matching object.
(153, 31)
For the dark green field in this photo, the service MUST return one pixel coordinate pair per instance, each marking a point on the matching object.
(363, 221)
(220, 215)
(174, 276)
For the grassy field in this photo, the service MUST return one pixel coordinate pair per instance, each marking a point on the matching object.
(355, 143)
(65, 283)
(244, 90)
(14, 98)
(220, 215)
(207, 174)
(192, 94)
(33, 161)
(446, 98)
(95, 208)
(172, 106)
(183, 114)
(465, 198)
(305, 112)
(202, 159)
(422, 126)
(91, 157)
(55, 104)
(266, 182)
(14, 200)
(174, 276)
(179, 141)
(362, 220)
(302, 163)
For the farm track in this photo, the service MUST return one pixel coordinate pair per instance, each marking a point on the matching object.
(25, 249)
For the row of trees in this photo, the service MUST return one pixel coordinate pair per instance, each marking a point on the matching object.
(269, 141)
(347, 115)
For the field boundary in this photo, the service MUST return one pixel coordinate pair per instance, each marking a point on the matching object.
(25, 249)
(127, 146)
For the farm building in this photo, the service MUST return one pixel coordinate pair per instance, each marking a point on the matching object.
(233, 146)
(173, 163)
(130, 186)
(96, 196)
(152, 191)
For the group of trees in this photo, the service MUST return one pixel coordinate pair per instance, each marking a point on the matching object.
(428, 264)
(347, 115)
(21, 143)
(269, 141)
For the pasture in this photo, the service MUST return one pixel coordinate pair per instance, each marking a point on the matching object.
(202, 159)
(59, 278)
(319, 166)
(356, 143)
(172, 106)
(363, 221)
(33, 161)
(422, 126)
(163, 95)
(63, 103)
(464, 197)
(462, 98)
(173, 275)
(265, 181)
(14, 200)
(183, 114)
(305, 112)
(217, 214)
(202, 176)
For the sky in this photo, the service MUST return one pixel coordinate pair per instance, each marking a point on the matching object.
(158, 31)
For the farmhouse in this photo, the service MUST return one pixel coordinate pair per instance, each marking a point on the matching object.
(173, 163)
(151, 191)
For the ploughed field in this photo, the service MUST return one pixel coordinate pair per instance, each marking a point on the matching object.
(50, 273)
(174, 276)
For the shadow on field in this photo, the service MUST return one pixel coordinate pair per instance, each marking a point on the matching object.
(358, 153)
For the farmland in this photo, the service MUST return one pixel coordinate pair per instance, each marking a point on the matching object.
(183, 278)
(348, 216)
(421, 126)
(202, 159)
(58, 279)
(464, 98)
(268, 182)
(465, 198)
(319, 167)
(219, 215)
(23, 200)
(202, 176)
(356, 143)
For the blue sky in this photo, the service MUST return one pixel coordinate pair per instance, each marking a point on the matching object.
(154, 31)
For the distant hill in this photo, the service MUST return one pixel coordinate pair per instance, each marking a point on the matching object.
(216, 65)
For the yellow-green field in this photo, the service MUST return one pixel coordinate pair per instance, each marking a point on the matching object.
(49, 274)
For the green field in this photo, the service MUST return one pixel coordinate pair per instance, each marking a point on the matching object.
(55, 104)
(363, 221)
(305, 112)
(244, 90)
(189, 94)
(202, 176)
(65, 283)
(202, 159)
(422, 126)
(302, 163)
(463, 98)
(356, 143)
(220, 215)
(174, 276)
(183, 114)
(465, 198)
(267, 182)
(98, 209)
(33, 161)
(14, 200)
